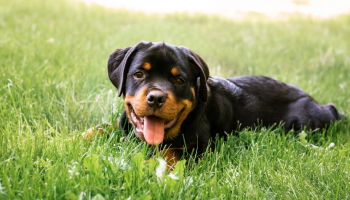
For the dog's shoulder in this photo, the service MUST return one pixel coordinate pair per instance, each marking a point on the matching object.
(266, 87)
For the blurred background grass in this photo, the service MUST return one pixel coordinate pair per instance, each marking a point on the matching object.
(54, 80)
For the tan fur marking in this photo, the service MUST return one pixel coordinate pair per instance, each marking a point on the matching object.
(175, 130)
(174, 71)
(146, 66)
(172, 156)
(168, 111)
(138, 102)
(193, 93)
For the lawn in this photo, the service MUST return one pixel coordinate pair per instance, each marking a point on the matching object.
(54, 85)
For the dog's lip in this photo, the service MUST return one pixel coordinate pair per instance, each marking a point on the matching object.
(139, 121)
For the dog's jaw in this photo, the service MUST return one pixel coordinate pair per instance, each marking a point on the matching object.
(139, 123)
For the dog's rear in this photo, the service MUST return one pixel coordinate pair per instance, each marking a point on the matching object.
(272, 101)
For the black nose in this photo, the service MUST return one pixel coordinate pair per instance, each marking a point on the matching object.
(156, 99)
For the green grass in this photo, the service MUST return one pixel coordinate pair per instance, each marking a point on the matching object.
(54, 85)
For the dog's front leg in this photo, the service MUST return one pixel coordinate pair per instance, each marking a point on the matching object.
(100, 129)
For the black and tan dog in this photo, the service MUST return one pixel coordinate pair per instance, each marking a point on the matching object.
(170, 99)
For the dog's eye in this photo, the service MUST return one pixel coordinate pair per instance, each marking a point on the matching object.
(138, 75)
(180, 81)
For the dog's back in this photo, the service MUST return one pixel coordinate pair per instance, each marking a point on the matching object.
(272, 101)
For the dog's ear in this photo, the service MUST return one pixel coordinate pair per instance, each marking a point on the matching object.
(119, 62)
(203, 69)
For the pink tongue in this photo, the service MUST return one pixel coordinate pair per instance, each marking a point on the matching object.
(153, 129)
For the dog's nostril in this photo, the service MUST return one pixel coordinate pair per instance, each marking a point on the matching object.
(161, 100)
(156, 99)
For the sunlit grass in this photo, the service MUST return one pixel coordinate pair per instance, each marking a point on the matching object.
(54, 85)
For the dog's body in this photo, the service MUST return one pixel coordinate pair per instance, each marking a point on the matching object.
(170, 99)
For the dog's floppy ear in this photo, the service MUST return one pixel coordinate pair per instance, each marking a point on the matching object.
(119, 62)
(203, 74)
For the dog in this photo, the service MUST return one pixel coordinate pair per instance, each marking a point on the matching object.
(171, 101)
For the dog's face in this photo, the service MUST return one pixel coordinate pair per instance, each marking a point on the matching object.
(160, 84)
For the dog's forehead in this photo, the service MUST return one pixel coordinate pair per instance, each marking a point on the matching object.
(163, 56)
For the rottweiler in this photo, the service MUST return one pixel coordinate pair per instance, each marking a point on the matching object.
(171, 100)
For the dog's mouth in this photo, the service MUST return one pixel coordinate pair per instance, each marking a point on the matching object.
(151, 128)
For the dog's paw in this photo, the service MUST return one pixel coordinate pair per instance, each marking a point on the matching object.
(90, 133)
(99, 130)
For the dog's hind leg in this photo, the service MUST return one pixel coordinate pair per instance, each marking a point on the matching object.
(333, 112)
(307, 113)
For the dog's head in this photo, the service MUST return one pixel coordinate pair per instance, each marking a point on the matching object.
(161, 84)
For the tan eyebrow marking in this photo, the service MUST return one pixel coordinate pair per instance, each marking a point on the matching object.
(174, 71)
(146, 66)
(194, 94)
